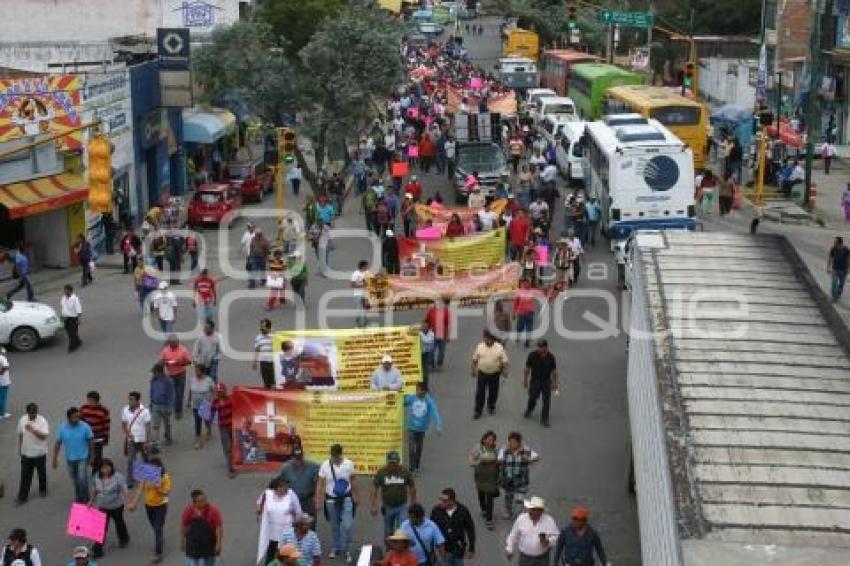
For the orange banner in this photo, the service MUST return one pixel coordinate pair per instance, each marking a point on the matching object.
(402, 292)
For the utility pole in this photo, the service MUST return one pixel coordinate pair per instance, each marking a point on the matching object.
(811, 106)
(649, 80)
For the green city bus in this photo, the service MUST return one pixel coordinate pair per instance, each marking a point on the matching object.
(589, 82)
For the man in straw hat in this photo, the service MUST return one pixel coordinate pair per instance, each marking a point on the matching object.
(533, 535)
(578, 541)
(398, 551)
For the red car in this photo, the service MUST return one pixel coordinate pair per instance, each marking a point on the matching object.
(211, 202)
(253, 179)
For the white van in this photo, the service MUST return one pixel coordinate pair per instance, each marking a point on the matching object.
(561, 108)
(568, 152)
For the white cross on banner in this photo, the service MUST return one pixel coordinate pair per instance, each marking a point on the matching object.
(271, 419)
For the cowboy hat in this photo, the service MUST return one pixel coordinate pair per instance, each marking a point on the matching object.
(399, 535)
(535, 502)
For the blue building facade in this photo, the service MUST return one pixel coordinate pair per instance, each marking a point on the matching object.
(157, 140)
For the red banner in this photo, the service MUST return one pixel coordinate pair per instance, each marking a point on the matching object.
(268, 424)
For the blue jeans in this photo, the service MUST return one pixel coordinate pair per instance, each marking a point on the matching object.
(4, 394)
(207, 561)
(440, 351)
(206, 312)
(78, 470)
(166, 326)
(212, 370)
(524, 325)
(256, 265)
(156, 517)
(427, 366)
(341, 518)
(23, 283)
(838, 278)
(394, 516)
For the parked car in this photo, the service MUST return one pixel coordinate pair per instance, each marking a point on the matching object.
(211, 202)
(253, 179)
(24, 325)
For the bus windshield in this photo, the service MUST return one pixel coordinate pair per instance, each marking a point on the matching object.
(677, 115)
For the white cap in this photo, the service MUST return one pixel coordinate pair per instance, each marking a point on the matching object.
(390, 233)
(408, 195)
(387, 359)
(163, 285)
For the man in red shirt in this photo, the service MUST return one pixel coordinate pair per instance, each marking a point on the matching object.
(205, 296)
(439, 319)
(414, 188)
(201, 530)
(175, 357)
(525, 303)
(519, 232)
(222, 408)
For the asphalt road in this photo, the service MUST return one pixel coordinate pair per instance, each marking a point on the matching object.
(583, 455)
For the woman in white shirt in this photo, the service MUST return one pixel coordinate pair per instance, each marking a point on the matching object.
(277, 509)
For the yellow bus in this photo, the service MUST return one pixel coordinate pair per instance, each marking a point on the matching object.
(686, 118)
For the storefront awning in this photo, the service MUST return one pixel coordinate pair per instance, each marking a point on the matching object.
(40, 195)
(206, 126)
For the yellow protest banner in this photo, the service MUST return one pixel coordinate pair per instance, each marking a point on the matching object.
(344, 359)
(485, 249)
(268, 424)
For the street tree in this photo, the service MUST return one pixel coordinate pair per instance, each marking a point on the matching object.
(297, 21)
(349, 67)
(240, 60)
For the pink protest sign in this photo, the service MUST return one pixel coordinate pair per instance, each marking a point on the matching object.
(430, 233)
(412, 112)
(412, 151)
(475, 82)
(542, 254)
(86, 522)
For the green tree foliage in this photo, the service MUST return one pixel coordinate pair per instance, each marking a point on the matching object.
(336, 83)
(239, 60)
(297, 20)
(351, 65)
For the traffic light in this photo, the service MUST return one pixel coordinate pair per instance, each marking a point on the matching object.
(100, 174)
(690, 73)
(572, 23)
(286, 144)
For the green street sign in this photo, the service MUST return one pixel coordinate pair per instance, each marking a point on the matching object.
(626, 19)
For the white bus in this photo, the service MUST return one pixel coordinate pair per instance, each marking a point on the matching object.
(641, 175)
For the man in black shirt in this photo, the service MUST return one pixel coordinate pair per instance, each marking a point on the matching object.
(540, 378)
(836, 264)
(457, 526)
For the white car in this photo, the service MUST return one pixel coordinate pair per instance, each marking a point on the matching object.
(24, 325)
(568, 152)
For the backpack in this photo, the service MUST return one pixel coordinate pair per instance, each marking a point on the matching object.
(9, 556)
(200, 539)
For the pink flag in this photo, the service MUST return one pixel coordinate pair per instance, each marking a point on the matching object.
(430, 233)
(86, 522)
(542, 254)
(412, 151)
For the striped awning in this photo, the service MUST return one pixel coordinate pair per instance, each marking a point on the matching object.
(40, 195)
